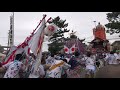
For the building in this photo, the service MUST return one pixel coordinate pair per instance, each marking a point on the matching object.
(116, 45)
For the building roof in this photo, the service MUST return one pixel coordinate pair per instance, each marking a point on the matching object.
(118, 42)
(94, 40)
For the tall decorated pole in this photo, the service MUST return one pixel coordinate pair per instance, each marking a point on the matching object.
(11, 31)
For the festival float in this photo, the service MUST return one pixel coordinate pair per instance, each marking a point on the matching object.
(99, 43)
(74, 44)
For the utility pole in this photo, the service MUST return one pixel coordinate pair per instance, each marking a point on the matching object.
(11, 31)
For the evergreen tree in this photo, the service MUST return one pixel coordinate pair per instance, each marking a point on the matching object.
(57, 39)
(114, 22)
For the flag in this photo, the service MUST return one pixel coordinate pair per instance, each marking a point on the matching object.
(10, 52)
(35, 45)
(9, 58)
(16, 50)
(66, 49)
(72, 49)
(23, 47)
(37, 39)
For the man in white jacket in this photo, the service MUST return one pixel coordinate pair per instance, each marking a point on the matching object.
(56, 68)
(12, 69)
(117, 55)
(90, 66)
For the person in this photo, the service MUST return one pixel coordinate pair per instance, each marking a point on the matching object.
(73, 62)
(90, 66)
(12, 69)
(57, 57)
(50, 59)
(107, 55)
(111, 59)
(99, 60)
(78, 56)
(42, 68)
(40, 72)
(117, 55)
(56, 68)
(62, 56)
(22, 73)
(64, 72)
(83, 60)
(74, 71)
(93, 56)
(30, 65)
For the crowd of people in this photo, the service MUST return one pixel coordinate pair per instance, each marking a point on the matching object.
(60, 65)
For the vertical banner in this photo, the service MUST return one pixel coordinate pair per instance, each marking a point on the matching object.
(35, 45)
(11, 32)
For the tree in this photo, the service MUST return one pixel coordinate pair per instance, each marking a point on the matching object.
(57, 39)
(114, 22)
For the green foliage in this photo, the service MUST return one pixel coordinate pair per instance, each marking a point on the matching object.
(114, 22)
(56, 40)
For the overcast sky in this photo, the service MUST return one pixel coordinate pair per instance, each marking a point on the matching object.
(26, 22)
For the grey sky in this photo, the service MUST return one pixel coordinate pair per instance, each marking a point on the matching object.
(25, 22)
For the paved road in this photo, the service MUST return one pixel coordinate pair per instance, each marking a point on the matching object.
(109, 71)
(1, 75)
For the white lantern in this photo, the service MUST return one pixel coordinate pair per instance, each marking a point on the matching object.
(50, 29)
